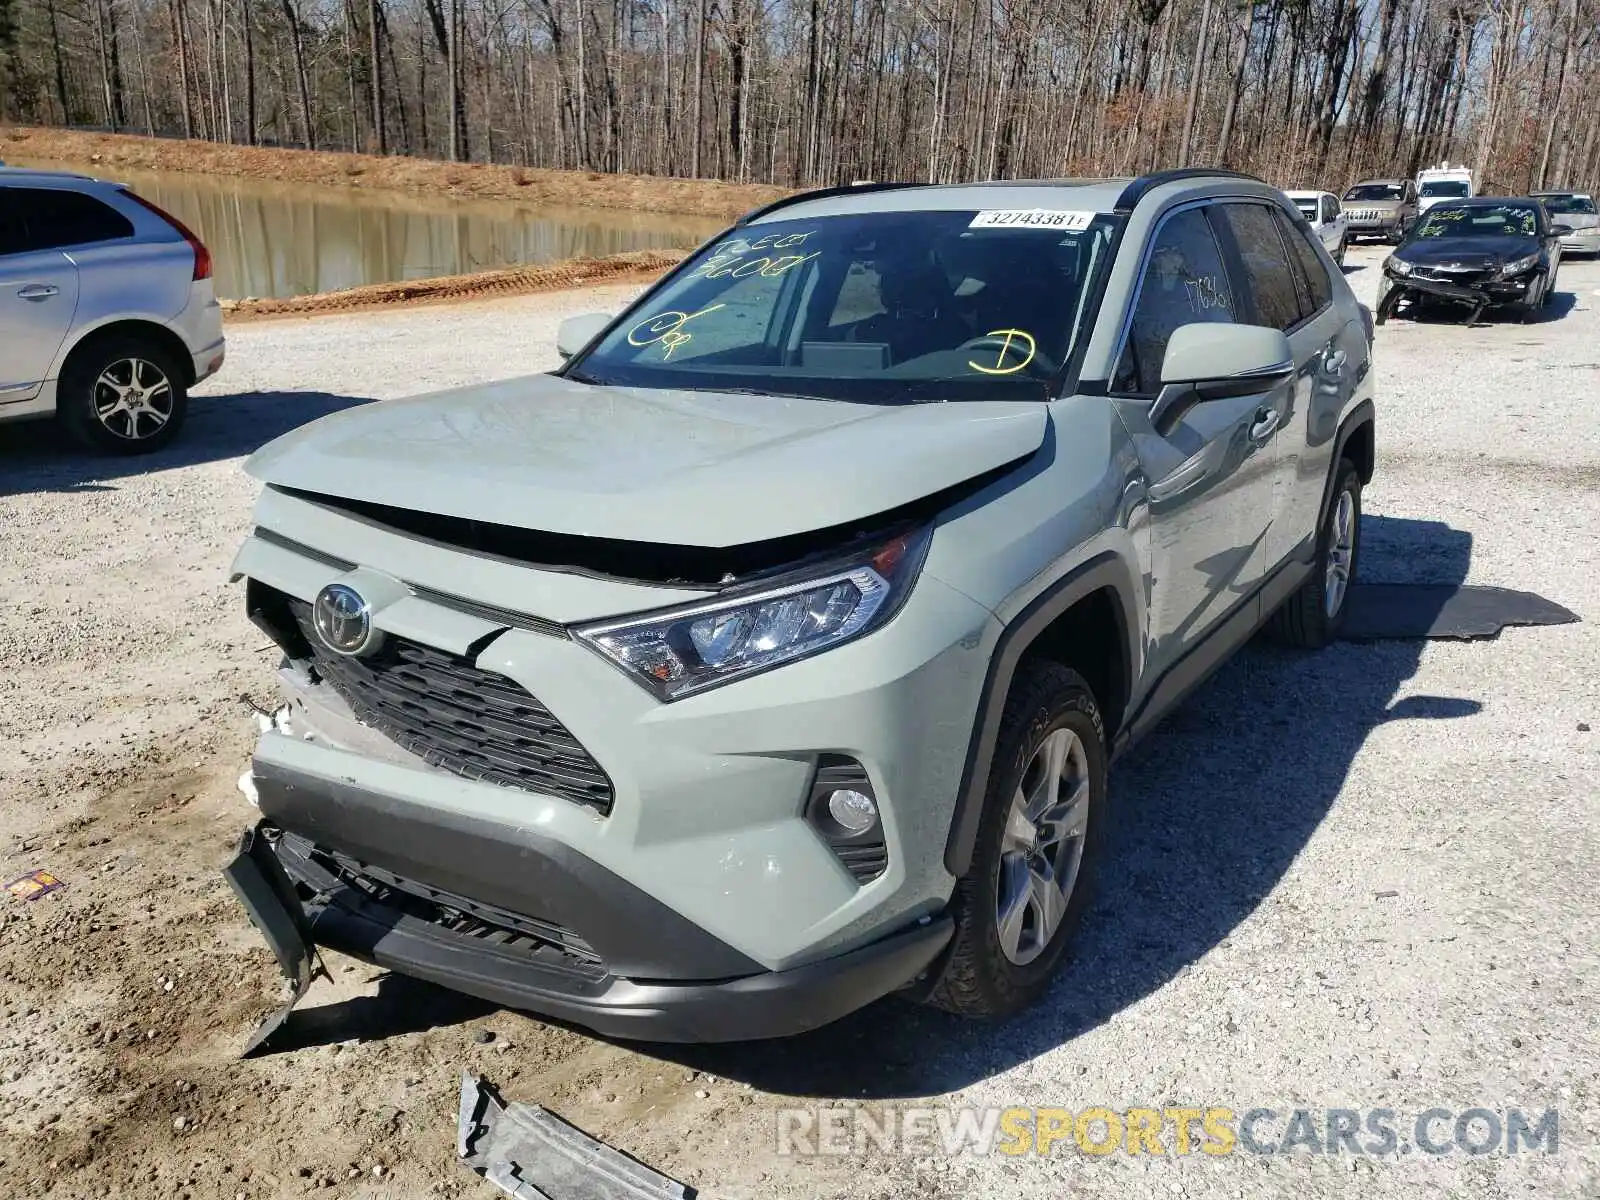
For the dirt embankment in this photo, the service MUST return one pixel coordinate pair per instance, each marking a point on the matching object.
(635, 266)
(647, 193)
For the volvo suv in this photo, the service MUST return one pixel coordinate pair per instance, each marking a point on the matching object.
(108, 315)
(767, 657)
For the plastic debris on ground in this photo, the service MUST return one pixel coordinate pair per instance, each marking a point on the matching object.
(531, 1154)
(33, 885)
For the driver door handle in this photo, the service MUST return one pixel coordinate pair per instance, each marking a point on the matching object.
(1266, 424)
(37, 291)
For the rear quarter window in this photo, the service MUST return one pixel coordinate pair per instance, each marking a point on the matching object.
(52, 219)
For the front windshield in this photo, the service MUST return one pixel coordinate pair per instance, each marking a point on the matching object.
(1564, 205)
(1451, 188)
(883, 307)
(1479, 220)
(1374, 191)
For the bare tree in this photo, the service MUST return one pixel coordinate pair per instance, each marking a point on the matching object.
(1304, 92)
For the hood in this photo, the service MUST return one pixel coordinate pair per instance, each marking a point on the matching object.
(1480, 252)
(668, 467)
(1381, 206)
(1575, 221)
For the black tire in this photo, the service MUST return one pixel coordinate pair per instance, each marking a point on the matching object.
(1338, 255)
(1303, 620)
(978, 979)
(1529, 311)
(81, 394)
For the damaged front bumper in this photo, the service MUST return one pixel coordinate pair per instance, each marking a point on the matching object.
(1399, 288)
(349, 882)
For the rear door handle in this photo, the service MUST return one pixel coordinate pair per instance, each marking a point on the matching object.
(1266, 423)
(37, 291)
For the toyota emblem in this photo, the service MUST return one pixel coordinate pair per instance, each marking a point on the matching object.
(343, 621)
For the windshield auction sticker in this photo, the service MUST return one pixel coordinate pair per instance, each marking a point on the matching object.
(1031, 218)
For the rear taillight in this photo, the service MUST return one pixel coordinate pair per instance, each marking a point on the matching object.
(202, 256)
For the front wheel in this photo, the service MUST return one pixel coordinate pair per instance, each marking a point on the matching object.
(1313, 615)
(1338, 255)
(1532, 308)
(1038, 838)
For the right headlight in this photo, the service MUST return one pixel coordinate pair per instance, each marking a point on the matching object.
(1519, 266)
(1396, 266)
(676, 652)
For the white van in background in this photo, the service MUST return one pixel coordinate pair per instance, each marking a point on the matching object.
(1443, 182)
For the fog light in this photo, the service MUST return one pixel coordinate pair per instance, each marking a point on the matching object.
(854, 811)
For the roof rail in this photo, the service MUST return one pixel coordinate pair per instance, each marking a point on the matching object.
(1142, 186)
(845, 189)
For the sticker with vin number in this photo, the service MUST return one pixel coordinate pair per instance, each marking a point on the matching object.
(1031, 218)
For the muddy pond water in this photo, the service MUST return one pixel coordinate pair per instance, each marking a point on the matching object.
(290, 239)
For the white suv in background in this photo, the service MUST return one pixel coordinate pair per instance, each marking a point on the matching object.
(1325, 215)
(107, 311)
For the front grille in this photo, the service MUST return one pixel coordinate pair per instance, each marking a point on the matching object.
(459, 717)
(1467, 278)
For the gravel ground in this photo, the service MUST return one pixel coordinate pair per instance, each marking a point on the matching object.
(1363, 879)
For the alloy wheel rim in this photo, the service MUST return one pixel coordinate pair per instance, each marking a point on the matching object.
(1042, 848)
(1341, 554)
(133, 398)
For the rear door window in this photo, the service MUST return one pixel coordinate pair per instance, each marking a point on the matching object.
(1269, 280)
(1185, 282)
(51, 219)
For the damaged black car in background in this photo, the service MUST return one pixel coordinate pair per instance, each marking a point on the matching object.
(1479, 253)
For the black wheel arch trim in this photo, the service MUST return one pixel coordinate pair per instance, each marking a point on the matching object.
(1362, 414)
(1107, 570)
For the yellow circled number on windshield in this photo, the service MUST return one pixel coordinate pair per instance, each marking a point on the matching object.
(667, 329)
(1020, 339)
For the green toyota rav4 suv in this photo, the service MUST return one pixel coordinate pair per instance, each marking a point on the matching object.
(767, 657)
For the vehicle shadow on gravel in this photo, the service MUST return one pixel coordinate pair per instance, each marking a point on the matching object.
(1207, 816)
(36, 456)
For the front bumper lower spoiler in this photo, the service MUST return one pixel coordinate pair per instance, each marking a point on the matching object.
(269, 880)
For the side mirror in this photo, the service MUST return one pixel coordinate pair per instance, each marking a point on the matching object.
(1561, 230)
(1211, 362)
(575, 333)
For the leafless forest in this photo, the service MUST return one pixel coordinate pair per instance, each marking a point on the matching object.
(817, 91)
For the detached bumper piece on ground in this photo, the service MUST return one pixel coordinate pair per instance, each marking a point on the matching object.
(532, 1154)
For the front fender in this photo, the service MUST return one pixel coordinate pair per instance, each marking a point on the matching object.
(1107, 570)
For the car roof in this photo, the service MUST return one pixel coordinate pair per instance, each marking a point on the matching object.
(1071, 195)
(1560, 192)
(1305, 193)
(1365, 182)
(28, 175)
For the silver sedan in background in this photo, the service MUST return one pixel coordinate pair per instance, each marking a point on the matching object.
(108, 315)
(1575, 210)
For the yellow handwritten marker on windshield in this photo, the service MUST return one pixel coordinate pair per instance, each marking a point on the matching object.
(666, 328)
(1006, 336)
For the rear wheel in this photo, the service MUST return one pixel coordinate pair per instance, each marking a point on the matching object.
(1029, 880)
(1313, 616)
(122, 394)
